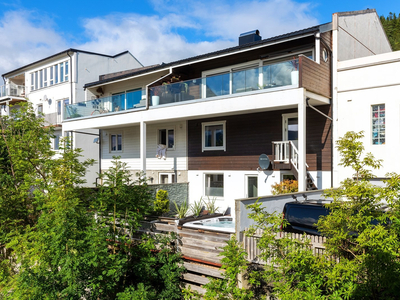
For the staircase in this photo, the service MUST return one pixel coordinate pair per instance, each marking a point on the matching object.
(286, 157)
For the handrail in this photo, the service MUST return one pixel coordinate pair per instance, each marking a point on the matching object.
(286, 151)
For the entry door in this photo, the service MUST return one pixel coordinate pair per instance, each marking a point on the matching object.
(291, 128)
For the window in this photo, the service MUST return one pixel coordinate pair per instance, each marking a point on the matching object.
(167, 178)
(32, 82)
(214, 185)
(167, 137)
(62, 72)
(40, 109)
(45, 77)
(41, 79)
(251, 186)
(214, 136)
(51, 76)
(36, 80)
(66, 70)
(57, 140)
(55, 74)
(378, 124)
(115, 142)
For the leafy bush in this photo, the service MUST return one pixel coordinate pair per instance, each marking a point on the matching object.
(286, 186)
(161, 205)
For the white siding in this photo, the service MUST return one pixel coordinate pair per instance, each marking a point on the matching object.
(175, 160)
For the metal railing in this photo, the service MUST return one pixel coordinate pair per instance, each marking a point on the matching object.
(119, 102)
(276, 75)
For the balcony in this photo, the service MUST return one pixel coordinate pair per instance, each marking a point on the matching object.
(119, 102)
(12, 90)
(273, 76)
(259, 79)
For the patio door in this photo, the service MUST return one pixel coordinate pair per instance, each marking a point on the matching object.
(290, 128)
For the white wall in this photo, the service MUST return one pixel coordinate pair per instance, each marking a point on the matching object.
(176, 159)
(362, 83)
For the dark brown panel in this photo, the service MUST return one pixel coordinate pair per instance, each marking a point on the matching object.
(248, 136)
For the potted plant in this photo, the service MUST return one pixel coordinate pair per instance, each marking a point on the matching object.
(155, 98)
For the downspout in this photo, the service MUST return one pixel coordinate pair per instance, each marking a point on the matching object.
(147, 87)
(331, 76)
(70, 76)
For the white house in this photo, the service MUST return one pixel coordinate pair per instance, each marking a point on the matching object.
(219, 115)
(368, 99)
(52, 83)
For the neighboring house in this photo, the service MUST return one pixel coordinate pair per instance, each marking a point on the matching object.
(217, 113)
(369, 100)
(52, 83)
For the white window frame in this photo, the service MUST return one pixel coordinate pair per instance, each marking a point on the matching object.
(372, 125)
(171, 177)
(203, 137)
(56, 140)
(166, 132)
(246, 187)
(223, 184)
(122, 142)
(40, 105)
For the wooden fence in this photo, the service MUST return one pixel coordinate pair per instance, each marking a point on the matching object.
(250, 243)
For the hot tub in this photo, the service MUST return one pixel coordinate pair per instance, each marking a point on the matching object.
(223, 224)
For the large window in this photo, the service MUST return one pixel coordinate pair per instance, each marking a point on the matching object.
(378, 124)
(167, 137)
(214, 185)
(214, 136)
(116, 142)
(57, 73)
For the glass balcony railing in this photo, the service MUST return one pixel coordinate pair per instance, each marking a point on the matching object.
(119, 102)
(12, 90)
(276, 75)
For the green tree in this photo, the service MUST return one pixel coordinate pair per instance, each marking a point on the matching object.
(391, 25)
(64, 243)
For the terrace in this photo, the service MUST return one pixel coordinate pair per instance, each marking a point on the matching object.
(260, 79)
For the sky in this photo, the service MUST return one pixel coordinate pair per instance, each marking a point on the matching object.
(154, 31)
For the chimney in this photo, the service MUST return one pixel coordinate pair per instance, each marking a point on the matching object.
(249, 37)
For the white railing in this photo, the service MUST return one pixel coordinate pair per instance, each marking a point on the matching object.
(286, 151)
(12, 90)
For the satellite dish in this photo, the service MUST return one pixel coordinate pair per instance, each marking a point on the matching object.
(264, 161)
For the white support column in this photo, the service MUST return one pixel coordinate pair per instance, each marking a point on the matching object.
(302, 180)
(317, 47)
(143, 146)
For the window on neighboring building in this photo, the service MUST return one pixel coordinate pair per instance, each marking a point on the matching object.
(378, 124)
(55, 74)
(45, 77)
(32, 81)
(36, 80)
(167, 137)
(214, 185)
(214, 136)
(62, 72)
(252, 186)
(66, 70)
(57, 140)
(40, 109)
(115, 142)
(51, 75)
(41, 79)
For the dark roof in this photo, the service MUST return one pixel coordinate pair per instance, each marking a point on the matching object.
(115, 74)
(208, 55)
(60, 53)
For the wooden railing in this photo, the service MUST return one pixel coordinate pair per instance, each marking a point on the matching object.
(250, 244)
(286, 151)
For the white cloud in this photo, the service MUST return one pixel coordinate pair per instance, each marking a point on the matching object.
(25, 39)
(154, 38)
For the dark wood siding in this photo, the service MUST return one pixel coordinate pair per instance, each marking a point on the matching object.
(317, 77)
(249, 135)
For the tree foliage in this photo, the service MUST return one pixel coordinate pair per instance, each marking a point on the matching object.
(59, 242)
(391, 25)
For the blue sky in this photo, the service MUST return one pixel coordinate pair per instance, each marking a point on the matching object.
(154, 31)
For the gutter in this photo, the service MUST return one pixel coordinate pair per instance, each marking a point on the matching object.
(147, 87)
(70, 76)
